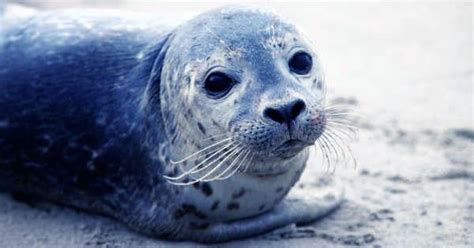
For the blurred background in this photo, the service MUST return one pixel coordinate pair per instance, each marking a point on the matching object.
(405, 67)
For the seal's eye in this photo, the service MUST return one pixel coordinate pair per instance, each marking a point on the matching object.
(301, 63)
(218, 84)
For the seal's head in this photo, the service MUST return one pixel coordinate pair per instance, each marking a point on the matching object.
(240, 85)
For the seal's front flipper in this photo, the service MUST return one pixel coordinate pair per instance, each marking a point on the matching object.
(300, 207)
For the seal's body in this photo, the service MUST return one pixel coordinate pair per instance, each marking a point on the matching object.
(102, 113)
(70, 97)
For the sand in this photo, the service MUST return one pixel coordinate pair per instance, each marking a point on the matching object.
(407, 70)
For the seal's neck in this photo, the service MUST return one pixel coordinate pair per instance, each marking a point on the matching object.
(244, 195)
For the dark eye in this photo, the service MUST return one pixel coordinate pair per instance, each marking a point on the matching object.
(301, 63)
(218, 84)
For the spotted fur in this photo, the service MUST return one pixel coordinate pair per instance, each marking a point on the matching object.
(97, 108)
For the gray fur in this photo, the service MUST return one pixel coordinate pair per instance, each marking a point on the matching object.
(97, 113)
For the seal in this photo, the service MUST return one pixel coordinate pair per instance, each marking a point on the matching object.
(194, 132)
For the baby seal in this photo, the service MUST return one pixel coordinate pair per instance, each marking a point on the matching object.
(195, 132)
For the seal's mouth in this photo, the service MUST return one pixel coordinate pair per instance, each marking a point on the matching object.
(290, 148)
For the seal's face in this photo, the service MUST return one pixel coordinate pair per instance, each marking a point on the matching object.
(248, 80)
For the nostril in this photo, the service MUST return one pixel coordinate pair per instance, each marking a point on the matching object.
(297, 108)
(285, 113)
(274, 114)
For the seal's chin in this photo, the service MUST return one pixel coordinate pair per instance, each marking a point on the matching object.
(289, 148)
(275, 162)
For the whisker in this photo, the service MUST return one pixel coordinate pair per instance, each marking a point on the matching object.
(328, 159)
(243, 161)
(181, 183)
(336, 142)
(338, 130)
(238, 167)
(329, 151)
(228, 167)
(194, 168)
(198, 168)
(348, 132)
(200, 151)
(337, 105)
(342, 119)
(221, 163)
(324, 156)
(336, 109)
(349, 149)
(217, 159)
(343, 137)
(342, 125)
(195, 180)
(341, 114)
(329, 143)
(248, 164)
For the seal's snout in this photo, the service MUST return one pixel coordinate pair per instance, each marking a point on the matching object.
(285, 113)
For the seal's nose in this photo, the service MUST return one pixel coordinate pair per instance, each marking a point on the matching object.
(285, 113)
